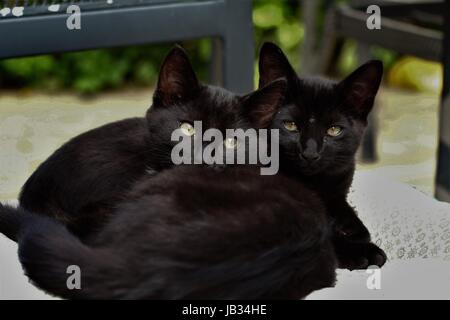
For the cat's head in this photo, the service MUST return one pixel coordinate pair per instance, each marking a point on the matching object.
(321, 122)
(180, 100)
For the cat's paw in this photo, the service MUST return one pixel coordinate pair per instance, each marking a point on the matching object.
(359, 255)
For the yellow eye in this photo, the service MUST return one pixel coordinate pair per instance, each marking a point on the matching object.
(231, 143)
(290, 125)
(187, 129)
(334, 131)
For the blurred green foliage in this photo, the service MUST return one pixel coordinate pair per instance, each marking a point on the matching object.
(90, 72)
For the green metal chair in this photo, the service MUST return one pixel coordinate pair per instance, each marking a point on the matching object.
(133, 22)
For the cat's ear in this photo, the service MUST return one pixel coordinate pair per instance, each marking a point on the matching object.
(261, 106)
(359, 89)
(177, 80)
(273, 65)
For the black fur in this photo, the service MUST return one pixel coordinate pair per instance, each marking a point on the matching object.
(84, 180)
(326, 163)
(190, 232)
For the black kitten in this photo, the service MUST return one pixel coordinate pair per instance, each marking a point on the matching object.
(82, 182)
(321, 125)
(191, 232)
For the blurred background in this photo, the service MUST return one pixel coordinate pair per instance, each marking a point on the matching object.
(45, 100)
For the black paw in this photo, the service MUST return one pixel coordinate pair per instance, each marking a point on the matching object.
(357, 255)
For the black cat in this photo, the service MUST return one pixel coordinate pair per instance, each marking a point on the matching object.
(321, 125)
(191, 232)
(84, 180)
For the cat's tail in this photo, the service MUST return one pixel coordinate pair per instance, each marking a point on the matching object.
(10, 221)
(54, 259)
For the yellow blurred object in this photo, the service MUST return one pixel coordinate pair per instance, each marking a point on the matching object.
(417, 74)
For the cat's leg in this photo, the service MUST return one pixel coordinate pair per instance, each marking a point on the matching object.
(358, 255)
(351, 239)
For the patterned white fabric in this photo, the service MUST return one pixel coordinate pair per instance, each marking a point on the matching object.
(410, 226)
(403, 221)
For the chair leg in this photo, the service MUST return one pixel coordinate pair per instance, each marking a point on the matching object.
(309, 51)
(216, 72)
(331, 45)
(443, 161)
(236, 49)
(369, 143)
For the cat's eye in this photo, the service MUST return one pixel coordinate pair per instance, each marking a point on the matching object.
(187, 129)
(231, 143)
(334, 131)
(290, 125)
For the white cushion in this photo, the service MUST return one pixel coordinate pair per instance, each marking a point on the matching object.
(399, 279)
(13, 283)
(403, 221)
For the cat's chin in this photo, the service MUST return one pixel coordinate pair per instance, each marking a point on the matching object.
(310, 170)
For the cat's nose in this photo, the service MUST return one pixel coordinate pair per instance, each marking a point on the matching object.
(310, 153)
(310, 156)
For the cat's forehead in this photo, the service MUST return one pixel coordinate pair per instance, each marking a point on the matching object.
(217, 99)
(313, 99)
(312, 116)
(316, 92)
(216, 107)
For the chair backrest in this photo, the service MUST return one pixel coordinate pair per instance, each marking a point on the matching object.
(40, 7)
